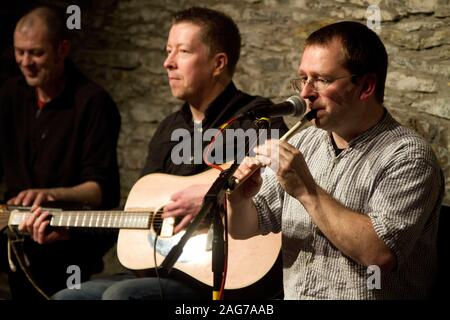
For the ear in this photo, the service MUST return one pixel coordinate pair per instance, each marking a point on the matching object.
(63, 49)
(369, 84)
(220, 63)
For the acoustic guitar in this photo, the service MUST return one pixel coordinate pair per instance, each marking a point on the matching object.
(144, 235)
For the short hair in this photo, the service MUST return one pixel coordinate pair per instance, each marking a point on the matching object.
(364, 51)
(52, 19)
(219, 32)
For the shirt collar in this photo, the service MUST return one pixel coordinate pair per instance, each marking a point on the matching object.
(216, 107)
(369, 134)
(381, 126)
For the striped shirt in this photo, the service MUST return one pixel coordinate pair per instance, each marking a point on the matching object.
(389, 174)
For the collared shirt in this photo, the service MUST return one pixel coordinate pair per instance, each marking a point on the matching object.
(389, 174)
(229, 103)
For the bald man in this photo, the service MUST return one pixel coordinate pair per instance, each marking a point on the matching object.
(58, 132)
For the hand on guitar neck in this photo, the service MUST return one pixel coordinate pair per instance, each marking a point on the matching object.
(37, 225)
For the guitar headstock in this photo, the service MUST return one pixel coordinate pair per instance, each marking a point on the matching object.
(4, 216)
(12, 215)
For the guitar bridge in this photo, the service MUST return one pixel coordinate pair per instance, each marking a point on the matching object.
(167, 227)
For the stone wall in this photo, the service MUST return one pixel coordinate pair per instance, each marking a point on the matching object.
(122, 46)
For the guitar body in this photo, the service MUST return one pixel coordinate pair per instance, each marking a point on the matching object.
(248, 260)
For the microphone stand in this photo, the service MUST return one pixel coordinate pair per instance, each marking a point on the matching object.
(212, 204)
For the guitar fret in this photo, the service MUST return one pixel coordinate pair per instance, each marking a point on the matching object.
(108, 224)
(53, 221)
(138, 221)
(90, 220)
(103, 217)
(144, 221)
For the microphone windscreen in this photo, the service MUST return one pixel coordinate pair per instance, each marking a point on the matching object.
(299, 105)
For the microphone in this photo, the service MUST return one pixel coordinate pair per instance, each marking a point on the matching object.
(293, 106)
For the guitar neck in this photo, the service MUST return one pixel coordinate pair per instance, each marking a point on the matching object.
(91, 219)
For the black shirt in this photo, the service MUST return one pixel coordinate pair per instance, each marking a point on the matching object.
(72, 140)
(229, 103)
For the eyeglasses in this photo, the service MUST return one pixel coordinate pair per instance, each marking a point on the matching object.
(317, 84)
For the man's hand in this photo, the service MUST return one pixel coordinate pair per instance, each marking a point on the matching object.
(37, 225)
(33, 197)
(242, 214)
(186, 203)
(249, 179)
(289, 165)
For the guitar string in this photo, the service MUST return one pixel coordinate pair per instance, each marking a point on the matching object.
(87, 217)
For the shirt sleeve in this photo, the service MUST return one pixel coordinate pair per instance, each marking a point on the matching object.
(403, 205)
(6, 90)
(99, 158)
(2, 104)
(269, 203)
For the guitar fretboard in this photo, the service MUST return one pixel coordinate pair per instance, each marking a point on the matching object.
(93, 219)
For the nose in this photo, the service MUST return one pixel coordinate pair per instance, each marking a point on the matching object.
(308, 93)
(169, 62)
(26, 60)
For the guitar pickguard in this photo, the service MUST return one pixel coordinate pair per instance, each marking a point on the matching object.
(196, 248)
